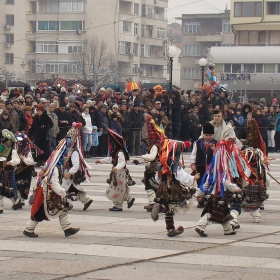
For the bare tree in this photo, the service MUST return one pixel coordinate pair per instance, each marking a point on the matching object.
(96, 62)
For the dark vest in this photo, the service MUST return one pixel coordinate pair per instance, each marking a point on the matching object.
(203, 158)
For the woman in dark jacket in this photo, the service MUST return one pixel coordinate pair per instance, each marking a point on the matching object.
(5, 121)
(176, 114)
(38, 131)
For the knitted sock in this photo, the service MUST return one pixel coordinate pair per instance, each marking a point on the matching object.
(169, 221)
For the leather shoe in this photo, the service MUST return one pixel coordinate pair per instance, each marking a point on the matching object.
(86, 205)
(71, 231)
(30, 234)
(201, 232)
(149, 207)
(17, 206)
(115, 209)
(130, 204)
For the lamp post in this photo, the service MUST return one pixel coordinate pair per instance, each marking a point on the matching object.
(171, 53)
(202, 63)
(6, 75)
(272, 81)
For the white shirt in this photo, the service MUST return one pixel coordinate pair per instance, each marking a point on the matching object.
(121, 161)
(152, 155)
(55, 184)
(75, 158)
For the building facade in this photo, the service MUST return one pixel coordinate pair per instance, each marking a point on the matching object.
(252, 66)
(200, 32)
(106, 41)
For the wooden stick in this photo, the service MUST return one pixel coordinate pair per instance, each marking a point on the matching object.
(273, 178)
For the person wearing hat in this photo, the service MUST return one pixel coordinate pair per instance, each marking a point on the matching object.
(202, 154)
(28, 99)
(135, 97)
(118, 176)
(64, 121)
(136, 126)
(115, 124)
(149, 96)
(114, 110)
(21, 117)
(38, 132)
(5, 121)
(13, 115)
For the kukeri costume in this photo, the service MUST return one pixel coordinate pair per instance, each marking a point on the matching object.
(227, 164)
(154, 134)
(24, 170)
(8, 160)
(75, 164)
(49, 197)
(176, 187)
(256, 191)
(118, 190)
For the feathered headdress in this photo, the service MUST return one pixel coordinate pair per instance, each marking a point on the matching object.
(153, 132)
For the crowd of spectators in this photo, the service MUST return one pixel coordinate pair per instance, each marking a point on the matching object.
(46, 116)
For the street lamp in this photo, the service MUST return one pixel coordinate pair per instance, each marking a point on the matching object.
(272, 81)
(171, 53)
(202, 63)
(6, 75)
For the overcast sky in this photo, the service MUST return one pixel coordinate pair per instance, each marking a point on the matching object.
(178, 7)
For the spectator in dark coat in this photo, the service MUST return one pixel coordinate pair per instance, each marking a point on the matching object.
(136, 126)
(23, 123)
(176, 114)
(103, 122)
(38, 131)
(115, 124)
(5, 121)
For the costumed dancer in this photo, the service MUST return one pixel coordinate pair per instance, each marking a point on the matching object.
(50, 199)
(75, 167)
(176, 186)
(24, 171)
(118, 190)
(8, 160)
(202, 154)
(154, 135)
(227, 166)
(256, 191)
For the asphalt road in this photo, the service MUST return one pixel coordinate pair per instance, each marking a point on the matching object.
(129, 245)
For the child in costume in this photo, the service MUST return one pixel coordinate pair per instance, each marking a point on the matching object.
(9, 159)
(256, 191)
(154, 134)
(75, 167)
(227, 164)
(202, 154)
(118, 190)
(49, 197)
(24, 170)
(176, 186)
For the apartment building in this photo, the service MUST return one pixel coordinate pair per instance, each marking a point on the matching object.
(252, 66)
(47, 39)
(200, 32)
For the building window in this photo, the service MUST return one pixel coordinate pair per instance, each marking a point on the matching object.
(71, 6)
(192, 27)
(48, 25)
(10, 20)
(136, 27)
(10, 2)
(127, 26)
(149, 70)
(71, 25)
(274, 38)
(135, 49)
(10, 38)
(62, 68)
(145, 50)
(273, 8)
(135, 69)
(226, 28)
(47, 47)
(248, 9)
(249, 68)
(160, 32)
(52, 7)
(75, 49)
(136, 9)
(191, 50)
(236, 68)
(9, 58)
(159, 13)
(144, 30)
(259, 68)
(124, 47)
(191, 73)
(269, 68)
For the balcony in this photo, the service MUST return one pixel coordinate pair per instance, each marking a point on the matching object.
(209, 38)
(153, 60)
